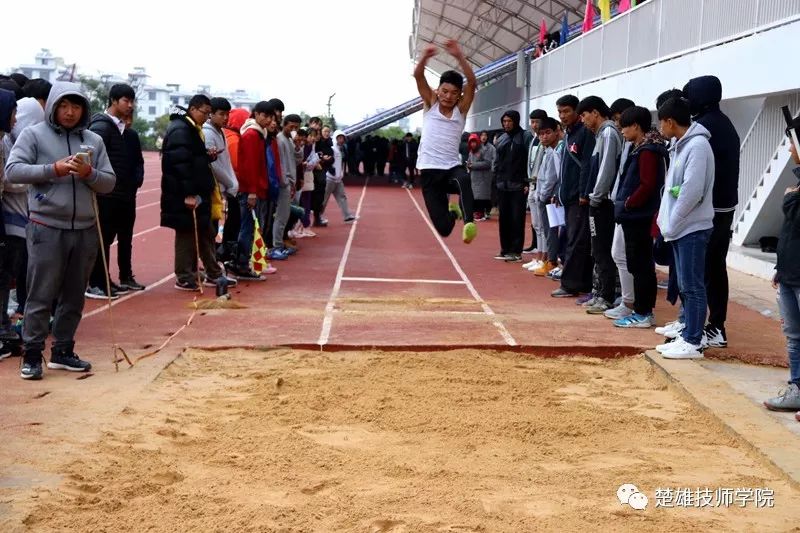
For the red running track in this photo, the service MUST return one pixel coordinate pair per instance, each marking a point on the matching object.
(386, 281)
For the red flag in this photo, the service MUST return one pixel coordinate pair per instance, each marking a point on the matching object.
(588, 19)
(623, 6)
(543, 33)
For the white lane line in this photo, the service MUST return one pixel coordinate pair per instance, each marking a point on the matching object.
(405, 280)
(144, 232)
(148, 205)
(127, 297)
(327, 322)
(486, 309)
(408, 312)
(148, 190)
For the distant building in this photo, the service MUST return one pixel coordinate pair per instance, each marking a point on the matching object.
(152, 101)
(46, 66)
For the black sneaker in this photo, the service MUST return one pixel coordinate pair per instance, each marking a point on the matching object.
(529, 250)
(246, 274)
(98, 293)
(119, 289)
(715, 337)
(231, 282)
(513, 258)
(31, 366)
(68, 361)
(189, 286)
(501, 256)
(131, 284)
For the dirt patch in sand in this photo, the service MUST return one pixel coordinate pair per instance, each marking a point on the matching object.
(461, 441)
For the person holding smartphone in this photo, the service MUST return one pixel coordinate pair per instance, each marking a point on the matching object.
(65, 164)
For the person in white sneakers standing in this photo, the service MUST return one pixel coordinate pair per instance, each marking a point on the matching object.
(686, 219)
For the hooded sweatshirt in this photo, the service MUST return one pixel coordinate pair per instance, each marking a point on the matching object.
(692, 169)
(221, 166)
(512, 157)
(60, 202)
(232, 132)
(253, 160)
(336, 172)
(288, 157)
(15, 196)
(704, 95)
(8, 102)
(605, 163)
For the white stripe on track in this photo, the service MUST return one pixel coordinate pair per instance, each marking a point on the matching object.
(486, 309)
(327, 322)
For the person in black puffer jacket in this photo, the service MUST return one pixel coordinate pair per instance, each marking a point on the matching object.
(117, 209)
(512, 187)
(187, 185)
(704, 95)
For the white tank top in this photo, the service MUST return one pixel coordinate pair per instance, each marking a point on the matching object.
(441, 137)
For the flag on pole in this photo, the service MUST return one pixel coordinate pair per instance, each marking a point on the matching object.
(564, 30)
(543, 33)
(605, 10)
(258, 256)
(624, 5)
(588, 18)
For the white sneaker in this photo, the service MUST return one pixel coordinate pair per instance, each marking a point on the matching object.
(621, 311)
(528, 264)
(680, 349)
(671, 330)
(535, 266)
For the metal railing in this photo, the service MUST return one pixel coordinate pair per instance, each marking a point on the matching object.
(654, 31)
(759, 146)
(484, 75)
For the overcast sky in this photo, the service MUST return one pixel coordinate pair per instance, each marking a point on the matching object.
(357, 49)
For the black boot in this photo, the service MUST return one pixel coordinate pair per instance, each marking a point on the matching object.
(31, 365)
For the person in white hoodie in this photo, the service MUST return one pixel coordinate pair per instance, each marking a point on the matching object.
(334, 178)
(686, 218)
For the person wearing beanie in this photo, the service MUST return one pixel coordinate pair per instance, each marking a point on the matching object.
(479, 164)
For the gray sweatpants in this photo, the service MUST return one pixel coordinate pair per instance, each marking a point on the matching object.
(539, 225)
(282, 210)
(336, 188)
(59, 264)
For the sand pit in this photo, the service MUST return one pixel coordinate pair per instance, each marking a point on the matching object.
(457, 441)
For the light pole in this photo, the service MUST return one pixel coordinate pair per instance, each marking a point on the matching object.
(329, 104)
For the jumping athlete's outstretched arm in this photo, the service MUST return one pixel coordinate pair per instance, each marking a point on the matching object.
(468, 92)
(425, 91)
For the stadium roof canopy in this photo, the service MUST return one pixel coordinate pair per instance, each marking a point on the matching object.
(487, 29)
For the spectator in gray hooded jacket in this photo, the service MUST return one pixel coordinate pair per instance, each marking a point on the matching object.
(65, 164)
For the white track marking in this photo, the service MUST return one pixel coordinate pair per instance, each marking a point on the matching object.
(327, 322)
(486, 309)
(405, 280)
(143, 232)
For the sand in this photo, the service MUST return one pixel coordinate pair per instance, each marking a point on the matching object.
(458, 441)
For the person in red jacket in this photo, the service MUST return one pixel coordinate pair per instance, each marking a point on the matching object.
(230, 232)
(253, 186)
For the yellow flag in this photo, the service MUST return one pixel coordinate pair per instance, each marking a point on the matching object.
(605, 10)
(258, 255)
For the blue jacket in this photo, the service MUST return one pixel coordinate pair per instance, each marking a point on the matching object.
(704, 94)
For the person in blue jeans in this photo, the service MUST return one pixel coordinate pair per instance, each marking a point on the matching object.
(787, 281)
(685, 218)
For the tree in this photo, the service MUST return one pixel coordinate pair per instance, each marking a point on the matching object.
(142, 127)
(97, 92)
(391, 133)
(160, 126)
